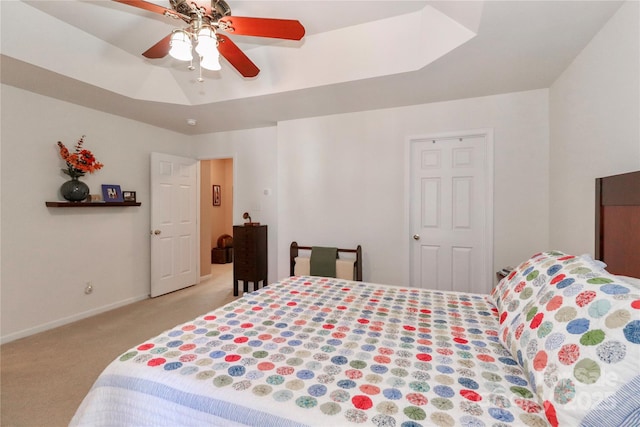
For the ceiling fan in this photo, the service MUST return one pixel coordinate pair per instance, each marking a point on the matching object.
(205, 21)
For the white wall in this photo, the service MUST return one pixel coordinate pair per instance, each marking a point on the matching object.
(341, 178)
(594, 127)
(48, 254)
(255, 168)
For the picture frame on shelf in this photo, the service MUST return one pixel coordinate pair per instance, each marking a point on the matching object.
(217, 196)
(129, 196)
(112, 193)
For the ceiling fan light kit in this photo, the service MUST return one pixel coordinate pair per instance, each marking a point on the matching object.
(207, 41)
(210, 62)
(205, 22)
(180, 46)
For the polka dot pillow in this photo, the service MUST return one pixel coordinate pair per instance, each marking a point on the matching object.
(576, 333)
(526, 281)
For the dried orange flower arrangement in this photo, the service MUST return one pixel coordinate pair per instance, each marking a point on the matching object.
(79, 162)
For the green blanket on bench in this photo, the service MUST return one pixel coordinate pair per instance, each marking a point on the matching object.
(323, 261)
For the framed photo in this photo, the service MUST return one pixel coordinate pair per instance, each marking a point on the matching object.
(216, 195)
(129, 196)
(111, 193)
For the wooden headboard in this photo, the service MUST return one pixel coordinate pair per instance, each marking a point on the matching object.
(618, 223)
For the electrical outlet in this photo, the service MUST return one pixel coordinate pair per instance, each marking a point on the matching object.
(89, 288)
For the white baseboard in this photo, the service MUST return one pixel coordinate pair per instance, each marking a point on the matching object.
(65, 320)
(203, 278)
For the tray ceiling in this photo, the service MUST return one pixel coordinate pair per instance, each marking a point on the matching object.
(356, 55)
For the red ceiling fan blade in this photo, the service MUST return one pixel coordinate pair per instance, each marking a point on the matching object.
(263, 27)
(146, 6)
(236, 57)
(159, 50)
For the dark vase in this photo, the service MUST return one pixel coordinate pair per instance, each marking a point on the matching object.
(74, 190)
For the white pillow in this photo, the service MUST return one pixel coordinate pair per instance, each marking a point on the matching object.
(596, 264)
(599, 265)
(631, 280)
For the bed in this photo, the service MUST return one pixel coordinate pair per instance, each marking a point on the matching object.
(557, 342)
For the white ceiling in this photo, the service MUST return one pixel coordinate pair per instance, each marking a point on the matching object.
(356, 55)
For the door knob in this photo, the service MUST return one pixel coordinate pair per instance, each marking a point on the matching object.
(416, 237)
(156, 232)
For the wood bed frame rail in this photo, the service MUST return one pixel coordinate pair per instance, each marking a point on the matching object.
(357, 266)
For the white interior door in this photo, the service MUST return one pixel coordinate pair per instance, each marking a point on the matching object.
(451, 248)
(174, 242)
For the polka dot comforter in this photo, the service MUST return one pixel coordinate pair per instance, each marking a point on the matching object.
(312, 351)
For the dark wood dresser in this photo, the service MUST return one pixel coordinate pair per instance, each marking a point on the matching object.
(250, 256)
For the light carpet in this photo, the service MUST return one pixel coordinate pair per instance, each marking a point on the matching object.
(44, 377)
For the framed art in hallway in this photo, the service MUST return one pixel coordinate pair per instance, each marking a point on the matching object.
(111, 193)
(216, 195)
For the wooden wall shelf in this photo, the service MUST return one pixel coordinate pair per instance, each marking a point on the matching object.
(90, 204)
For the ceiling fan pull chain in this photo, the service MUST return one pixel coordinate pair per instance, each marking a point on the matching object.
(200, 79)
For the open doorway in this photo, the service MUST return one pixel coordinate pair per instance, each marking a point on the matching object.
(216, 214)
